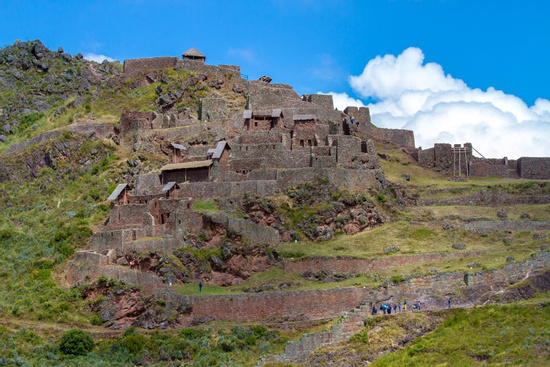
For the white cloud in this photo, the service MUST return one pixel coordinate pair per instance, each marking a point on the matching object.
(97, 58)
(342, 100)
(443, 109)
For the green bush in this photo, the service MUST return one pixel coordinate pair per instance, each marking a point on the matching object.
(381, 198)
(29, 119)
(76, 342)
(95, 319)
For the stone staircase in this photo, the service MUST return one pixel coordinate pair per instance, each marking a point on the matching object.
(350, 323)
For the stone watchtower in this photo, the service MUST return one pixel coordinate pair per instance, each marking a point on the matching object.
(194, 55)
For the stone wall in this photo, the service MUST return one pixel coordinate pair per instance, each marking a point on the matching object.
(348, 147)
(426, 157)
(353, 180)
(322, 100)
(287, 306)
(229, 72)
(364, 266)
(251, 232)
(134, 120)
(127, 214)
(106, 240)
(133, 67)
(486, 198)
(507, 225)
(432, 291)
(398, 137)
(488, 169)
(213, 109)
(534, 168)
(207, 190)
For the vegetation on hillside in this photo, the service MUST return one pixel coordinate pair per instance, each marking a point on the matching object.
(52, 197)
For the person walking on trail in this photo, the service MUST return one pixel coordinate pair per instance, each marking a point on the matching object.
(132, 264)
(418, 305)
(352, 120)
(399, 305)
(394, 308)
(405, 305)
(357, 122)
(373, 309)
(200, 287)
(449, 301)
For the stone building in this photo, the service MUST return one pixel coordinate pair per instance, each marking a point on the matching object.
(273, 140)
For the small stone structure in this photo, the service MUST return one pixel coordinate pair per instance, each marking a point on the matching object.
(444, 157)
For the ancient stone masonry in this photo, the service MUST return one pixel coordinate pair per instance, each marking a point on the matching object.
(458, 160)
(263, 144)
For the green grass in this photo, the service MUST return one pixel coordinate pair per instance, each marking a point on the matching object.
(206, 206)
(499, 335)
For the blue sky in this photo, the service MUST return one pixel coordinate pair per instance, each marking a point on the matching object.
(318, 45)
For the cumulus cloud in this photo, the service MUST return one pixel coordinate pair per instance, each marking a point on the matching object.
(442, 109)
(97, 58)
(342, 100)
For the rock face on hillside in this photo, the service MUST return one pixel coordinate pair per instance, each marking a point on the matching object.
(34, 79)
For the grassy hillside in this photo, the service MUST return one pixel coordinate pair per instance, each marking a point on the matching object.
(52, 195)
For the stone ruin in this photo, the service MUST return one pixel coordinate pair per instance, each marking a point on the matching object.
(458, 160)
(271, 140)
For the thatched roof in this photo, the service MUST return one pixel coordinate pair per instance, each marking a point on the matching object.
(194, 53)
(187, 165)
(303, 117)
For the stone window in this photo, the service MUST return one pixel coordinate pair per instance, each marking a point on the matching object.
(301, 143)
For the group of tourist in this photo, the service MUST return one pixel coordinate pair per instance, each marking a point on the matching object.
(352, 121)
(387, 309)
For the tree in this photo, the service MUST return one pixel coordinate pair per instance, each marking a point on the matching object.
(76, 342)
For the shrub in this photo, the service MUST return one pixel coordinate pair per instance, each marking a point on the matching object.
(381, 198)
(76, 342)
(95, 319)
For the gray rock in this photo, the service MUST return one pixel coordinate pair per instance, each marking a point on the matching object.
(60, 49)
(67, 57)
(459, 246)
(391, 249)
(544, 247)
(510, 259)
(539, 236)
(3, 138)
(406, 177)
(502, 214)
(38, 50)
(7, 129)
(25, 64)
(165, 99)
(237, 88)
